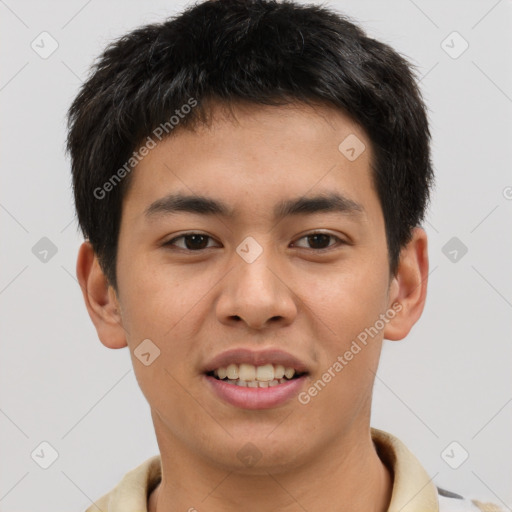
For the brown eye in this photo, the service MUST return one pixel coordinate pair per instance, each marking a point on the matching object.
(192, 241)
(320, 241)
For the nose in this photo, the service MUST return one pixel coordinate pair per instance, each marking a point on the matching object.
(257, 294)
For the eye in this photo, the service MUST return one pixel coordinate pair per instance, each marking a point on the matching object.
(195, 242)
(192, 241)
(321, 239)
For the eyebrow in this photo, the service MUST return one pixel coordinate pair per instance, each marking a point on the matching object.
(201, 205)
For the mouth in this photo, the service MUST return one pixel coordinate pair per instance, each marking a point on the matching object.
(247, 379)
(252, 376)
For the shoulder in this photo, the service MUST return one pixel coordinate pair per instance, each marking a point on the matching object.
(131, 493)
(451, 502)
(100, 504)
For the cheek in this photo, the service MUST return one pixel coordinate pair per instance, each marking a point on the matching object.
(156, 298)
(349, 300)
(350, 348)
(163, 306)
(159, 306)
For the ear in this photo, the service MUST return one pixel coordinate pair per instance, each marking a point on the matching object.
(100, 298)
(408, 289)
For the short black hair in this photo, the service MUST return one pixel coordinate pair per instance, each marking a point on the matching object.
(264, 52)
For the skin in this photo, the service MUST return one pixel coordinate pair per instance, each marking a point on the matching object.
(313, 304)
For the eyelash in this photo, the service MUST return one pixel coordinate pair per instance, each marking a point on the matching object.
(340, 242)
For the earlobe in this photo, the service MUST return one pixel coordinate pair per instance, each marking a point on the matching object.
(100, 298)
(409, 287)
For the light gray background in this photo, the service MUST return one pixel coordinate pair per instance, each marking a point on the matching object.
(448, 381)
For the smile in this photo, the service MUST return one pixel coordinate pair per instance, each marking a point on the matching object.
(251, 376)
(255, 387)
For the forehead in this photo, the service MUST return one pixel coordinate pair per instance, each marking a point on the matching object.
(249, 153)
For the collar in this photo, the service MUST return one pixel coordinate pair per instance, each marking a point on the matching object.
(413, 489)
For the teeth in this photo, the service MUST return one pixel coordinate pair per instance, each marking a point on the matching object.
(278, 371)
(232, 371)
(265, 373)
(256, 383)
(289, 373)
(250, 375)
(247, 372)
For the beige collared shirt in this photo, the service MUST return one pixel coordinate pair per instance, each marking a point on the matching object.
(413, 489)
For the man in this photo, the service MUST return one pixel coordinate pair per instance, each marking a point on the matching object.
(251, 177)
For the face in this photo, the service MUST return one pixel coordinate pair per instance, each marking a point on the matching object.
(199, 282)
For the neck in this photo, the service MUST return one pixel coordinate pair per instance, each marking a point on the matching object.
(347, 477)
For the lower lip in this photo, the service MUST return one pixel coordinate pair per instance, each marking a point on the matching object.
(256, 398)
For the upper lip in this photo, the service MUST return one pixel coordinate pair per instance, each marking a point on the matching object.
(256, 358)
